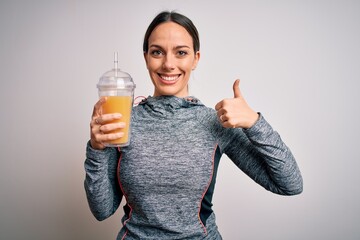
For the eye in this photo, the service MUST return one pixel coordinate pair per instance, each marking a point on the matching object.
(156, 52)
(182, 53)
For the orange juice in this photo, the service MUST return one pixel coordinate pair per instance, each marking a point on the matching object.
(122, 105)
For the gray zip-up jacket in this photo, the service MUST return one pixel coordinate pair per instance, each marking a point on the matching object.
(167, 174)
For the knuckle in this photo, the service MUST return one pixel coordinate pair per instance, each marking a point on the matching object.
(104, 128)
(98, 138)
(101, 137)
(93, 131)
(92, 123)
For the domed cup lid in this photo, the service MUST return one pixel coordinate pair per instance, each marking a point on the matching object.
(115, 79)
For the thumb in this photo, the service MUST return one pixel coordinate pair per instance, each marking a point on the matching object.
(236, 88)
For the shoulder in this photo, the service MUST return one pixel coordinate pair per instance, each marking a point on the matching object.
(136, 110)
(206, 114)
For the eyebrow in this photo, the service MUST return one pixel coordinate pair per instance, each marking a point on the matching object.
(177, 47)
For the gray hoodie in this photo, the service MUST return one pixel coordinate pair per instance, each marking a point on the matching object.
(167, 174)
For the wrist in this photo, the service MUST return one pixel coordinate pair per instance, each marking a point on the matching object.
(253, 119)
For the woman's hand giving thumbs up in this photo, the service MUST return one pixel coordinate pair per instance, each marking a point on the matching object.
(235, 112)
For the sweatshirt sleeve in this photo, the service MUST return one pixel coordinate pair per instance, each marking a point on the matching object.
(263, 156)
(101, 186)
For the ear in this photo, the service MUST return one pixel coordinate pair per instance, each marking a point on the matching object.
(146, 61)
(197, 58)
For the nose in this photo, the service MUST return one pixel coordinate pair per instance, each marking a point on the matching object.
(169, 62)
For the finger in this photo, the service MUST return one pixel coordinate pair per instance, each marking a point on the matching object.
(223, 118)
(221, 112)
(96, 122)
(225, 122)
(97, 106)
(111, 127)
(236, 88)
(228, 122)
(218, 105)
(104, 118)
(103, 138)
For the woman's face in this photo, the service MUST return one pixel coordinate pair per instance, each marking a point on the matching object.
(170, 59)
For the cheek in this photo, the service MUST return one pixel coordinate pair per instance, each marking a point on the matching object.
(187, 66)
(152, 64)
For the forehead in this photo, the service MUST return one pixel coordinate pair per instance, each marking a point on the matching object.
(170, 32)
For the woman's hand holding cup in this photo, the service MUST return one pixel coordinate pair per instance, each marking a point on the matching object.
(101, 126)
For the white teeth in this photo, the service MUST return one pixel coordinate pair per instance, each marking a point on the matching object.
(167, 78)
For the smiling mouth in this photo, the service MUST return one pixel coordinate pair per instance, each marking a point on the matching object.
(169, 78)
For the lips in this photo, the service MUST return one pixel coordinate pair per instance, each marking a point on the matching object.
(168, 79)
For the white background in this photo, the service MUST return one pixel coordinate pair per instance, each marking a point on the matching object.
(299, 65)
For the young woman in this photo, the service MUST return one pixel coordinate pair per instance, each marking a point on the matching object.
(167, 174)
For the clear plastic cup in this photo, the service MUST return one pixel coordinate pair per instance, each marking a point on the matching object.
(118, 87)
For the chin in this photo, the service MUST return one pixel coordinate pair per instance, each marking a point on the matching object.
(169, 92)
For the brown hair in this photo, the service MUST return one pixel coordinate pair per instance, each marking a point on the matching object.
(175, 17)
